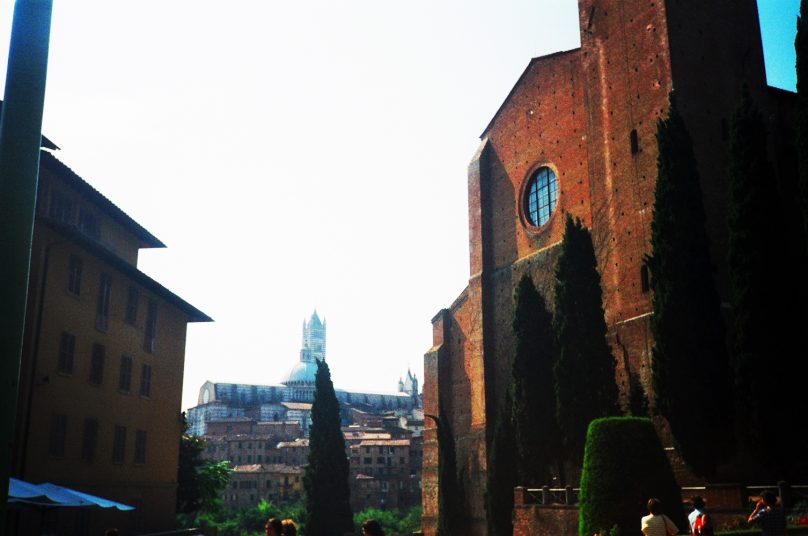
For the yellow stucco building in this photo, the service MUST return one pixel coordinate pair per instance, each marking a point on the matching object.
(102, 369)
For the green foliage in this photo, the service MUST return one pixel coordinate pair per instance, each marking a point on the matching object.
(764, 342)
(393, 522)
(535, 429)
(328, 510)
(247, 521)
(584, 372)
(690, 363)
(200, 482)
(624, 466)
(501, 474)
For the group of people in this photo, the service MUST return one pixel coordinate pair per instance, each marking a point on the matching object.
(280, 527)
(287, 527)
(767, 515)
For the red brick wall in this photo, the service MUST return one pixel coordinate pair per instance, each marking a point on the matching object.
(575, 112)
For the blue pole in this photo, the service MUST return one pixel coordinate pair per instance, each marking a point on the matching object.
(20, 140)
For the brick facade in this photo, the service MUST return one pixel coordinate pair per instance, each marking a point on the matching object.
(589, 115)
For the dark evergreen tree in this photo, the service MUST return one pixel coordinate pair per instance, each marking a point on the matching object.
(801, 46)
(535, 429)
(637, 401)
(692, 377)
(762, 347)
(501, 475)
(450, 511)
(328, 509)
(584, 371)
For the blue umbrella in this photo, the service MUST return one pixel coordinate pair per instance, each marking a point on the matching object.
(71, 495)
(51, 495)
(25, 493)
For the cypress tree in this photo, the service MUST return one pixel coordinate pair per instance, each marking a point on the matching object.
(535, 429)
(584, 372)
(450, 515)
(501, 475)
(801, 47)
(761, 346)
(328, 509)
(692, 378)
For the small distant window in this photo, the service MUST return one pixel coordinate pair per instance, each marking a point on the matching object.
(74, 275)
(88, 224)
(140, 446)
(151, 327)
(97, 364)
(645, 284)
(58, 432)
(541, 196)
(67, 349)
(125, 376)
(132, 296)
(61, 208)
(119, 444)
(635, 144)
(102, 307)
(145, 380)
(89, 440)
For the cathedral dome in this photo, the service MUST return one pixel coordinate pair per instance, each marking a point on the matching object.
(302, 372)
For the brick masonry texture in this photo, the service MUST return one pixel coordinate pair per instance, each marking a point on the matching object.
(577, 112)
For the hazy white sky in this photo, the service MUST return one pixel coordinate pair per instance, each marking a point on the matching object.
(301, 155)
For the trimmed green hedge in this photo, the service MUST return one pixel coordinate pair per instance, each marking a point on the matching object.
(624, 466)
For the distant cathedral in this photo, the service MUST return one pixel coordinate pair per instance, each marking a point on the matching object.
(291, 400)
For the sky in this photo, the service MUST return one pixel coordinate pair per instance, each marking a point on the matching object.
(301, 155)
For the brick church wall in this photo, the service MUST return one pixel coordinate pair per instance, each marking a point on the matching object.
(590, 114)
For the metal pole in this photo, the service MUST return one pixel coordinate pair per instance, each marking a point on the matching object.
(20, 140)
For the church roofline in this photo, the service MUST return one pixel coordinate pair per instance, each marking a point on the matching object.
(519, 81)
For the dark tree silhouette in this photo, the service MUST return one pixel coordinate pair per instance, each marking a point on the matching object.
(328, 509)
(769, 380)
(535, 429)
(501, 475)
(584, 372)
(450, 512)
(692, 377)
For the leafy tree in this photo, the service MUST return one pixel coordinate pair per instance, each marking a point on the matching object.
(501, 474)
(535, 429)
(765, 372)
(328, 510)
(584, 372)
(801, 46)
(692, 378)
(199, 482)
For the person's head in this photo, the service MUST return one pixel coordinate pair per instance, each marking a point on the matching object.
(371, 527)
(289, 528)
(655, 506)
(274, 527)
(769, 498)
(698, 502)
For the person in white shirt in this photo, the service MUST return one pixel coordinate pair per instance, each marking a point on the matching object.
(656, 523)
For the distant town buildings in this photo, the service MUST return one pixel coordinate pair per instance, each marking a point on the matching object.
(102, 365)
(291, 400)
(262, 431)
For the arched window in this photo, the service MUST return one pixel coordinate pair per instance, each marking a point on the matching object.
(541, 196)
